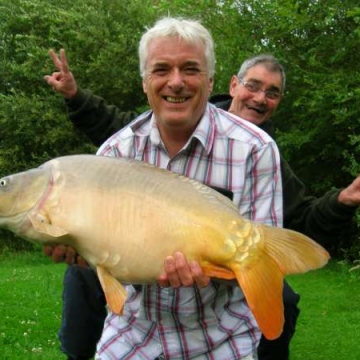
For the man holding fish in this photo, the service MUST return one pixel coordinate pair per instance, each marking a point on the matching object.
(185, 134)
(271, 97)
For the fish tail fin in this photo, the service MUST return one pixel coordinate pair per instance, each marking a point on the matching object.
(262, 284)
(279, 252)
(115, 293)
(293, 252)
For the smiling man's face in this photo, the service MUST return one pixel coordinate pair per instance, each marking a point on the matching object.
(177, 83)
(255, 106)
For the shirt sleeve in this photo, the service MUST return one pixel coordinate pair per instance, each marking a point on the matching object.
(95, 118)
(263, 189)
(322, 218)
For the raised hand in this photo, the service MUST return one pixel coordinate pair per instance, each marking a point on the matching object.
(62, 81)
(351, 195)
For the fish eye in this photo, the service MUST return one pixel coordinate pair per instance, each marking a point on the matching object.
(3, 182)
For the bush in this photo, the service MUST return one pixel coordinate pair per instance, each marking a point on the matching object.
(318, 42)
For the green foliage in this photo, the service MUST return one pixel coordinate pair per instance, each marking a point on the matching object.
(322, 92)
(97, 36)
(318, 42)
(100, 38)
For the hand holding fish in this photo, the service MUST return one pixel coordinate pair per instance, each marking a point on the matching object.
(62, 81)
(350, 196)
(62, 253)
(180, 272)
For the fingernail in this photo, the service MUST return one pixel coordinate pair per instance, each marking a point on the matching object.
(194, 265)
(169, 261)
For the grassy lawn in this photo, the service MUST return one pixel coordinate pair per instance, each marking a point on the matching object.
(329, 322)
(30, 310)
(30, 307)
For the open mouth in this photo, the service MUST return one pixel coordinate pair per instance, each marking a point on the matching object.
(259, 110)
(175, 100)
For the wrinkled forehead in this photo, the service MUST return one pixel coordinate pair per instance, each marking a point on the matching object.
(264, 75)
(173, 49)
(170, 45)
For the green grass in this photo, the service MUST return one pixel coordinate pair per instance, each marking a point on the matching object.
(30, 307)
(329, 321)
(30, 310)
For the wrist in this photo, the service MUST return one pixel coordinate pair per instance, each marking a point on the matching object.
(68, 95)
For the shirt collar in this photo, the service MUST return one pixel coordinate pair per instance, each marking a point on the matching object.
(145, 125)
(206, 129)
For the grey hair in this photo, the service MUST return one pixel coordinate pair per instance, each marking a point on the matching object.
(269, 61)
(189, 30)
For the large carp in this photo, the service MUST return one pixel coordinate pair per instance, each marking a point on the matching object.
(125, 217)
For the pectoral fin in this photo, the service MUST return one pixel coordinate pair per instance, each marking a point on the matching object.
(262, 284)
(219, 272)
(115, 293)
(43, 225)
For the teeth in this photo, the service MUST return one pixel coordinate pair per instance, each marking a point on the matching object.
(175, 100)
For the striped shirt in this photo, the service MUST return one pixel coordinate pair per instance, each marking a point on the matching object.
(190, 323)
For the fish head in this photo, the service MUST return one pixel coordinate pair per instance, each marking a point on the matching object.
(20, 193)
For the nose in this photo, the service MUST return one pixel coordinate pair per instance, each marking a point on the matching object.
(260, 97)
(176, 80)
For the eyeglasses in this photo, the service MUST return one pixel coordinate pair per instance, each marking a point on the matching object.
(254, 87)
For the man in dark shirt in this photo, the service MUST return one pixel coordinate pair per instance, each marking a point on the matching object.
(255, 93)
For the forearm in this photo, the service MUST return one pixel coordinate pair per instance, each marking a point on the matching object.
(321, 218)
(91, 115)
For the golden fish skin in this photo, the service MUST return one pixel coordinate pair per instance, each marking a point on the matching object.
(118, 212)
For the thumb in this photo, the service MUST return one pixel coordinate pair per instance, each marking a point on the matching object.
(49, 80)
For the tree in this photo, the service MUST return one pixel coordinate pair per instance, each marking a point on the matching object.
(317, 41)
(100, 38)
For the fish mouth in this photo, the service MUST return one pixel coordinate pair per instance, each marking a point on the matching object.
(176, 100)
